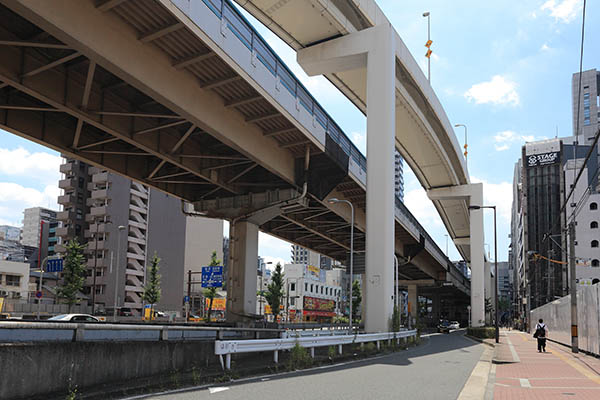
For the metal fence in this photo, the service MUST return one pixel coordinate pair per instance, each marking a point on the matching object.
(557, 317)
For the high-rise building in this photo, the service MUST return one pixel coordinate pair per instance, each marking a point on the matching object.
(589, 104)
(399, 176)
(32, 219)
(96, 203)
(301, 255)
(11, 233)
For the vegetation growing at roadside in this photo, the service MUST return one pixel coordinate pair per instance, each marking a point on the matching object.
(73, 273)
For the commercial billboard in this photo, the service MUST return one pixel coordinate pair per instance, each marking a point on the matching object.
(314, 304)
(315, 273)
(219, 304)
(538, 160)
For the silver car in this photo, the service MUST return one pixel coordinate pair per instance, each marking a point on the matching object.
(74, 318)
(454, 325)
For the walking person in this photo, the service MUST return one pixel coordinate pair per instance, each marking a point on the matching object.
(541, 331)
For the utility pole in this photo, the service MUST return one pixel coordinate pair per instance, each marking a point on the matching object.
(189, 295)
(573, 284)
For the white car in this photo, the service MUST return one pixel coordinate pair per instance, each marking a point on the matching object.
(454, 325)
(74, 318)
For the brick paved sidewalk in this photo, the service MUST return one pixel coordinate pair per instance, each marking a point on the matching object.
(556, 374)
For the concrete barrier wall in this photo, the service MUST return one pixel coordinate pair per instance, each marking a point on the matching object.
(32, 370)
(557, 317)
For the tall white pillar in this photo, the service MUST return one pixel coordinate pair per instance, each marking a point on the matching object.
(381, 121)
(477, 260)
(242, 274)
(375, 49)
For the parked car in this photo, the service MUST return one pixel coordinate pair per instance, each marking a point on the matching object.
(125, 312)
(454, 325)
(444, 326)
(74, 318)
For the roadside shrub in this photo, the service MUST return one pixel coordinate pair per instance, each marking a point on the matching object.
(299, 358)
(482, 332)
(332, 352)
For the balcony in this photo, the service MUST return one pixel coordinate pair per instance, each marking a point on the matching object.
(102, 262)
(67, 199)
(68, 215)
(91, 246)
(100, 194)
(66, 168)
(100, 177)
(67, 184)
(65, 232)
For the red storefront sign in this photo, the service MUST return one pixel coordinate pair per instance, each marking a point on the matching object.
(320, 305)
(318, 313)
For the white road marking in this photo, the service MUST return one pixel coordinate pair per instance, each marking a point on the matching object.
(217, 389)
(513, 351)
(525, 383)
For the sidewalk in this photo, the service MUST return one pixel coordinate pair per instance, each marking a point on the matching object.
(520, 372)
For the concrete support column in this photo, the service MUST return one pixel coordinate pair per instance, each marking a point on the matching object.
(413, 305)
(477, 259)
(242, 274)
(373, 48)
(381, 121)
(436, 307)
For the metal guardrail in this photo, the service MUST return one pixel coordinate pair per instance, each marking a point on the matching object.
(228, 347)
(16, 331)
(246, 33)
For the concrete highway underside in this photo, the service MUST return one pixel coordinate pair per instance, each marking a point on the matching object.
(437, 369)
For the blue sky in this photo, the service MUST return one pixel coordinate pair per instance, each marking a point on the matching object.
(504, 71)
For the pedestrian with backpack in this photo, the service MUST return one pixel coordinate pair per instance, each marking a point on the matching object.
(540, 334)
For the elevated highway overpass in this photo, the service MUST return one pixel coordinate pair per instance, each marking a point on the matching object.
(184, 96)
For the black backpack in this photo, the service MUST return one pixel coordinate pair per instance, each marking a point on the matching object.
(540, 332)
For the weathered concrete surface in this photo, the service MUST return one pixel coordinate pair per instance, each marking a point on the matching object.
(30, 370)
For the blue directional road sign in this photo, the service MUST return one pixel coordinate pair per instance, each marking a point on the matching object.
(54, 265)
(212, 276)
(186, 299)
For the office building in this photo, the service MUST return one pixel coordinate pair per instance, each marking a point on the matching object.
(32, 221)
(11, 233)
(301, 255)
(589, 104)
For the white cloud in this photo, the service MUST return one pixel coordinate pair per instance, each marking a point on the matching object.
(40, 166)
(497, 91)
(360, 140)
(564, 11)
(505, 139)
(14, 198)
(545, 47)
(273, 249)
(498, 194)
(422, 208)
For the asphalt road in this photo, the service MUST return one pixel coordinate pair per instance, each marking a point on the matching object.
(438, 369)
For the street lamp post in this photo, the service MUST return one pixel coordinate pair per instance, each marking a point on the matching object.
(333, 201)
(466, 146)
(495, 268)
(428, 16)
(40, 285)
(121, 228)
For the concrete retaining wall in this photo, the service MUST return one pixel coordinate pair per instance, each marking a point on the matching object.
(30, 370)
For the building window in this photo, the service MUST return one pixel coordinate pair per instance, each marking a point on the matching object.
(13, 280)
(311, 287)
(594, 225)
(292, 301)
(595, 280)
(593, 206)
(594, 243)
(292, 287)
(326, 290)
(321, 289)
(306, 287)
(595, 263)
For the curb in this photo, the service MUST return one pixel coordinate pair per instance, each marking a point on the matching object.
(480, 340)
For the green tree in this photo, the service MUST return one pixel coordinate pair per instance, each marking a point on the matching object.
(152, 292)
(356, 298)
(73, 273)
(211, 292)
(275, 291)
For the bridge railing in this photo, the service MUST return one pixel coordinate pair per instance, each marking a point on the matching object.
(228, 347)
(17, 331)
(245, 32)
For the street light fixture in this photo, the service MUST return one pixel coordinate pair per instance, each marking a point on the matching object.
(466, 146)
(495, 267)
(428, 16)
(334, 201)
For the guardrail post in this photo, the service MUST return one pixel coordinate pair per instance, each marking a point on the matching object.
(220, 334)
(228, 361)
(378, 345)
(256, 335)
(312, 352)
(276, 356)
(79, 333)
(164, 334)
(339, 348)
